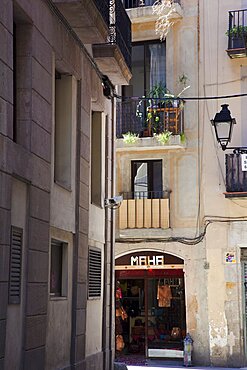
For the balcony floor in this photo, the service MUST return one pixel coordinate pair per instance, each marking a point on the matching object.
(236, 194)
(150, 144)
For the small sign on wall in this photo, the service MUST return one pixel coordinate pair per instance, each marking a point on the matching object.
(230, 257)
(244, 162)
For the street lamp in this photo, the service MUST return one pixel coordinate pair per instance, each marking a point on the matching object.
(223, 125)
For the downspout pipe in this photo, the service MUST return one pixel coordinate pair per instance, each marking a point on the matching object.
(76, 235)
(108, 348)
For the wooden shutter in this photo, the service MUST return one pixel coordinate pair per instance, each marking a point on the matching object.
(15, 265)
(94, 273)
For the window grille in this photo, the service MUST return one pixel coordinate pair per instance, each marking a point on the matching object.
(94, 273)
(15, 265)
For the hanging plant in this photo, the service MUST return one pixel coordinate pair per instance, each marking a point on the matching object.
(182, 138)
(130, 138)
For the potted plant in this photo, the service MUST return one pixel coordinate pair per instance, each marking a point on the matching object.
(130, 137)
(158, 99)
(161, 94)
(237, 36)
(164, 137)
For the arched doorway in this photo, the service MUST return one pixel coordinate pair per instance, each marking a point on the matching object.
(153, 295)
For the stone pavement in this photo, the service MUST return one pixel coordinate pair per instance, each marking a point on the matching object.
(159, 365)
(171, 367)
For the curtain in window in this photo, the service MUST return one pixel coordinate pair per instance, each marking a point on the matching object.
(157, 64)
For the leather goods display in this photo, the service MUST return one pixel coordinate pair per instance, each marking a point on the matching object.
(164, 296)
(119, 343)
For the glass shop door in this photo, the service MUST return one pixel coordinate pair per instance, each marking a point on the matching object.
(165, 317)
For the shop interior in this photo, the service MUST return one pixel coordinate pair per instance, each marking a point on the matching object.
(154, 324)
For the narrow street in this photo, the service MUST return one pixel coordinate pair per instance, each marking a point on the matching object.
(174, 367)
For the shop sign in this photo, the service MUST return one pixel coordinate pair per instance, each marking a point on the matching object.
(147, 260)
(230, 257)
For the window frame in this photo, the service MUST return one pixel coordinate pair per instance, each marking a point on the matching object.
(150, 170)
(63, 291)
(145, 44)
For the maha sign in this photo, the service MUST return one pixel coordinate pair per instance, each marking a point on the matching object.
(147, 260)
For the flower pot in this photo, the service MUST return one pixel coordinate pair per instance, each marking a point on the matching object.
(237, 42)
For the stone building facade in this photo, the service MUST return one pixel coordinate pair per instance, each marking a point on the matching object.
(57, 128)
(184, 198)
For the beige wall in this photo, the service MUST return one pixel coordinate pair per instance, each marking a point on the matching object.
(221, 75)
(63, 198)
(14, 329)
(94, 315)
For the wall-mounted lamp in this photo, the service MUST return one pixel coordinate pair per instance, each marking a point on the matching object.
(223, 125)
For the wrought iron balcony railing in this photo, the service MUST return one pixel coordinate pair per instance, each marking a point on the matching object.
(148, 116)
(128, 4)
(236, 178)
(103, 8)
(120, 29)
(237, 33)
(144, 210)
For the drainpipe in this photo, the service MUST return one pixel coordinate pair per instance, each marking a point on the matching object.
(109, 218)
(112, 262)
(76, 235)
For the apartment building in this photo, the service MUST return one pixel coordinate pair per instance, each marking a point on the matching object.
(59, 62)
(180, 256)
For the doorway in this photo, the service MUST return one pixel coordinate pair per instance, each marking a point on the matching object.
(154, 300)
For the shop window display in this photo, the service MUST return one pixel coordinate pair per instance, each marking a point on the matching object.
(156, 321)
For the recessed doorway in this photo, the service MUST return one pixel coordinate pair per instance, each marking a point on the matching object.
(153, 296)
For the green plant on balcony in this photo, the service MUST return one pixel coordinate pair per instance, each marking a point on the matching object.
(182, 138)
(237, 37)
(159, 98)
(164, 137)
(237, 31)
(130, 138)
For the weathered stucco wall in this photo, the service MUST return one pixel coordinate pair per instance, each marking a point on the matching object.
(195, 46)
(221, 75)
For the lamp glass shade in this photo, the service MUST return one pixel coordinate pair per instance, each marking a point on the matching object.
(223, 124)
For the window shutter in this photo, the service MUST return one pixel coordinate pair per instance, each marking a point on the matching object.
(15, 265)
(94, 272)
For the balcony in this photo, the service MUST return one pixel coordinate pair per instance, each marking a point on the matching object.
(144, 210)
(114, 57)
(236, 178)
(237, 34)
(88, 18)
(129, 4)
(105, 25)
(143, 19)
(147, 118)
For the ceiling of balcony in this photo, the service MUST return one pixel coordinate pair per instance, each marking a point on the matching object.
(143, 21)
(85, 19)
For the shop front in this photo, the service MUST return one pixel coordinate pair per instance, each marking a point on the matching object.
(150, 289)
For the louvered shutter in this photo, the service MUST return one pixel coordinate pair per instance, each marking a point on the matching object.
(94, 273)
(15, 265)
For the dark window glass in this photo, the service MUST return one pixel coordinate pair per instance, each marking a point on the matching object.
(56, 268)
(148, 68)
(147, 179)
